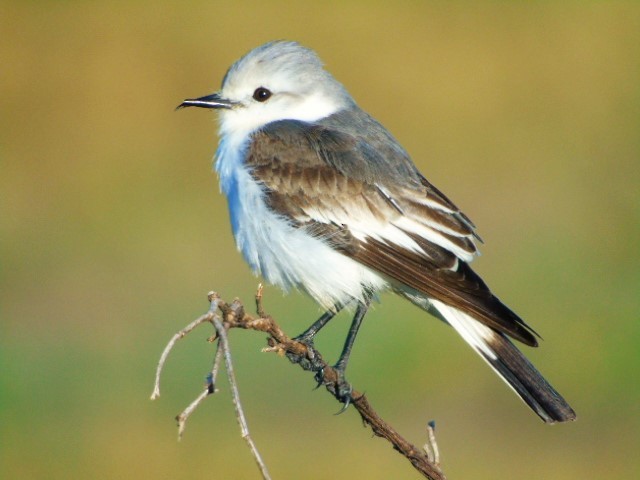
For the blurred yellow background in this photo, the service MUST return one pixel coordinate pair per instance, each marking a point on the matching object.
(112, 230)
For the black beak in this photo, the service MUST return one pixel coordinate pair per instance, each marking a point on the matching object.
(210, 101)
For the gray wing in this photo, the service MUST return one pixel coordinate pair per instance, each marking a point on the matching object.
(353, 186)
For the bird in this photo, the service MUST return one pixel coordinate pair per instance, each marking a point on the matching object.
(323, 199)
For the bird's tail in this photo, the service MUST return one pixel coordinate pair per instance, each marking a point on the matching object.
(508, 362)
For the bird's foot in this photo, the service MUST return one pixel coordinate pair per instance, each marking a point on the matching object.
(337, 384)
(310, 361)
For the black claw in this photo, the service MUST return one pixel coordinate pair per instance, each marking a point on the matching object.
(347, 402)
(319, 379)
(343, 390)
(345, 396)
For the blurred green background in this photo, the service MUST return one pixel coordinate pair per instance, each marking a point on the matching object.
(112, 230)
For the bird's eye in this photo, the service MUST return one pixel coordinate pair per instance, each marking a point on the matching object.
(261, 94)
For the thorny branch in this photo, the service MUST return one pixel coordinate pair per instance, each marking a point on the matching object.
(425, 461)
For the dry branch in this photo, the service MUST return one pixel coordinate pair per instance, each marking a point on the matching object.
(425, 460)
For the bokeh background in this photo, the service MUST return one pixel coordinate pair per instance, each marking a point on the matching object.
(112, 230)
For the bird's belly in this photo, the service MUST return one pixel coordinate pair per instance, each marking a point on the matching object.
(287, 256)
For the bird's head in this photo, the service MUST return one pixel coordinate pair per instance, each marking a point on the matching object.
(280, 80)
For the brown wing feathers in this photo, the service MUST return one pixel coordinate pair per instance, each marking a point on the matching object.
(301, 188)
(460, 288)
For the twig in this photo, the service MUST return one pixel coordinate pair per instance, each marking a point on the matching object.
(181, 334)
(210, 388)
(259, 308)
(213, 375)
(233, 316)
(420, 461)
(222, 350)
(311, 359)
(235, 393)
(186, 413)
(431, 447)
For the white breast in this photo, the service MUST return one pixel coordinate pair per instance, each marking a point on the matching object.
(284, 255)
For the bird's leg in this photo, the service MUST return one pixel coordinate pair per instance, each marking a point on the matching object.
(309, 333)
(361, 311)
(307, 336)
(343, 390)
